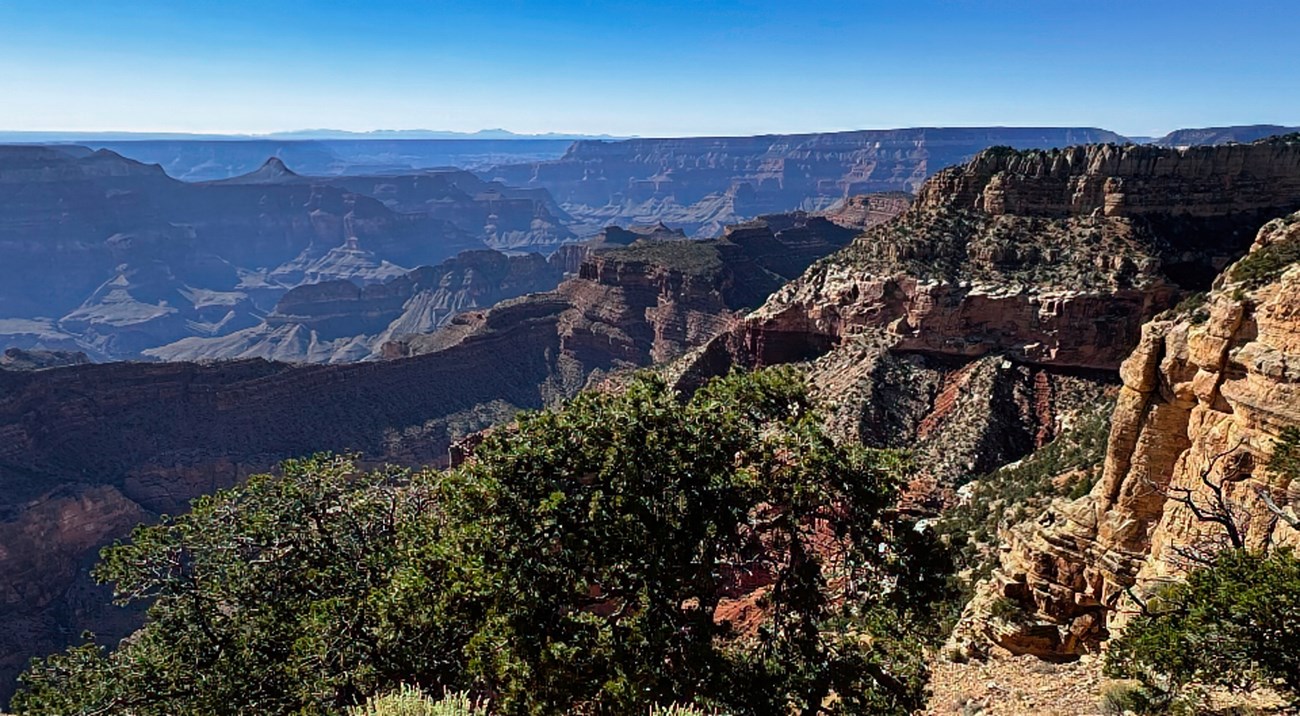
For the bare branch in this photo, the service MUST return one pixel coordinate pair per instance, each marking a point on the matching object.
(1273, 507)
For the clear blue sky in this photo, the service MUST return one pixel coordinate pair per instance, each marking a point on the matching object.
(655, 68)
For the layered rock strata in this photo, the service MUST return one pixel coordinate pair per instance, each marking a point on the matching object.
(1049, 261)
(86, 451)
(703, 184)
(1206, 395)
(141, 260)
(337, 321)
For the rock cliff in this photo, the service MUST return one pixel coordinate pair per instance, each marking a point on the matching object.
(1206, 393)
(703, 184)
(1048, 262)
(652, 299)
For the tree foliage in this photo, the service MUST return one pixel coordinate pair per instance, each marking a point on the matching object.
(1235, 624)
(286, 595)
(632, 549)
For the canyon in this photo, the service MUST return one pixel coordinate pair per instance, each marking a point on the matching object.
(93, 449)
(113, 257)
(969, 321)
(155, 268)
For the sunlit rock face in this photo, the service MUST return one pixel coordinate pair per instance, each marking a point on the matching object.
(1205, 397)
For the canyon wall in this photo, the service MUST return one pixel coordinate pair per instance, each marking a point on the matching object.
(702, 184)
(1206, 395)
(1053, 257)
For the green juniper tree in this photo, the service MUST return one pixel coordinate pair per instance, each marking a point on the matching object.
(581, 562)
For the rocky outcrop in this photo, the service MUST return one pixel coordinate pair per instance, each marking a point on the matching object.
(1121, 181)
(571, 256)
(1206, 394)
(43, 549)
(706, 183)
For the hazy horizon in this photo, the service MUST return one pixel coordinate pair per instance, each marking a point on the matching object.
(497, 134)
(677, 68)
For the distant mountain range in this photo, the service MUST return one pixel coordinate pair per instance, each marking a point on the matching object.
(1179, 137)
(55, 137)
(430, 134)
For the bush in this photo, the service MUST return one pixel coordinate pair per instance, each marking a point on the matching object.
(1194, 308)
(576, 564)
(1006, 610)
(616, 526)
(1266, 264)
(284, 595)
(413, 702)
(1129, 696)
(1235, 624)
(676, 710)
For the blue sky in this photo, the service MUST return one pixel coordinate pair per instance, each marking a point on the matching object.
(661, 68)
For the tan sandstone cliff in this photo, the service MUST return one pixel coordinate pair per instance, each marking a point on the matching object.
(1205, 396)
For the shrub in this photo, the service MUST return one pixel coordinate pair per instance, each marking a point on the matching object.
(1266, 264)
(1235, 624)
(283, 595)
(1006, 610)
(1194, 307)
(616, 526)
(408, 701)
(1129, 696)
(677, 710)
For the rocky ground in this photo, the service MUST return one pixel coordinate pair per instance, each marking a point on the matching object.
(1006, 685)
